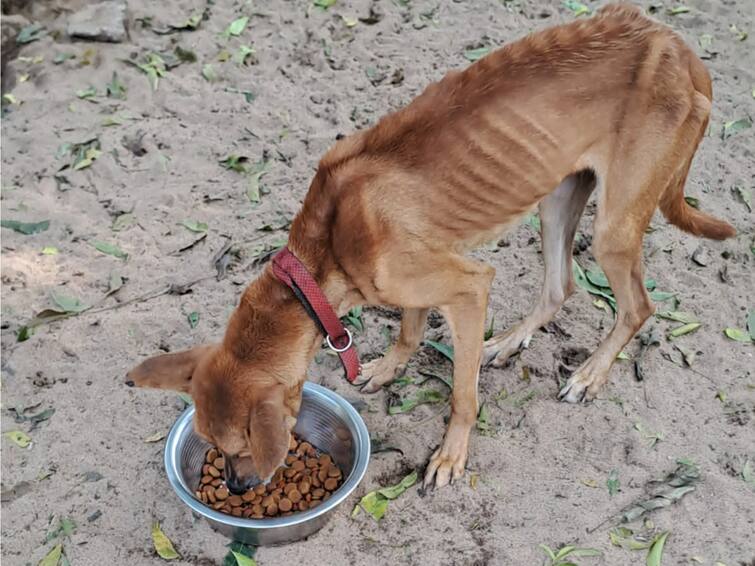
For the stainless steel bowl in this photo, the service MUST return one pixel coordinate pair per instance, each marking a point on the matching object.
(326, 420)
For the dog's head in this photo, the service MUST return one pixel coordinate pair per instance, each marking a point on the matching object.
(240, 407)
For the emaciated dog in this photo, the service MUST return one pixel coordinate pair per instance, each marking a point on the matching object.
(616, 101)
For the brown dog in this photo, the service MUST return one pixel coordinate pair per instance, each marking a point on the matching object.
(617, 100)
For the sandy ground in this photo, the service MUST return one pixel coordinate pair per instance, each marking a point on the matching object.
(541, 471)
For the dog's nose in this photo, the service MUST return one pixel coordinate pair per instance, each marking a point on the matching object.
(235, 486)
(130, 383)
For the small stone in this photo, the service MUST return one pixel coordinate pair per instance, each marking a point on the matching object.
(104, 21)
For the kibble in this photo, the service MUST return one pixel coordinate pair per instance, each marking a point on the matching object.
(307, 479)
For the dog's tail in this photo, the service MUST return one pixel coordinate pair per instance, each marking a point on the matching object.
(672, 203)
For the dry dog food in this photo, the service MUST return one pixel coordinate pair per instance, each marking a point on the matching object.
(307, 478)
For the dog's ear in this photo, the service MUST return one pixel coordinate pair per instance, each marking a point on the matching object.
(168, 371)
(268, 433)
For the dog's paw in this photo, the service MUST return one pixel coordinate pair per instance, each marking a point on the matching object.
(499, 349)
(445, 466)
(377, 373)
(581, 387)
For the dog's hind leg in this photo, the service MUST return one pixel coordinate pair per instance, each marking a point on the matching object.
(560, 212)
(384, 370)
(632, 190)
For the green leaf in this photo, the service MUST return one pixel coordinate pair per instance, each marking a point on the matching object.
(661, 296)
(735, 126)
(324, 4)
(422, 397)
(194, 225)
(242, 560)
(623, 356)
(577, 8)
(741, 35)
(115, 88)
(489, 332)
(476, 54)
(30, 33)
(193, 318)
(63, 57)
(394, 491)
(53, 557)
(354, 318)
(235, 163)
(87, 93)
(26, 228)
(612, 483)
(376, 502)
(238, 549)
(751, 323)
(186, 398)
(86, 158)
(737, 334)
(123, 221)
(672, 488)
(677, 10)
(153, 66)
(50, 250)
(255, 175)
(678, 316)
(10, 98)
(656, 551)
(597, 278)
(242, 54)
(185, 55)
(748, 475)
(483, 418)
(694, 202)
(445, 349)
(208, 72)
(548, 551)
(624, 538)
(69, 304)
(19, 437)
(745, 194)
(110, 249)
(162, 543)
(682, 330)
(236, 27)
(651, 437)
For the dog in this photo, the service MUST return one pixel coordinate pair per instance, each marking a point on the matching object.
(616, 101)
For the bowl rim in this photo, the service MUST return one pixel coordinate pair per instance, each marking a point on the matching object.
(359, 468)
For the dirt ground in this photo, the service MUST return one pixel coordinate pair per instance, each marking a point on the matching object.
(536, 476)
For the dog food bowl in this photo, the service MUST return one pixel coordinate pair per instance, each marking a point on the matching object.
(326, 420)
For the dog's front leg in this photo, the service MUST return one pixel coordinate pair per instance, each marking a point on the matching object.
(466, 317)
(384, 370)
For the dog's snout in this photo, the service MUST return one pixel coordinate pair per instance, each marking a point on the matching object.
(130, 383)
(235, 486)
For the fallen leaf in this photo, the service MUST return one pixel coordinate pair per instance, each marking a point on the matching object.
(193, 318)
(53, 557)
(19, 437)
(476, 53)
(194, 225)
(677, 316)
(745, 194)
(236, 27)
(589, 483)
(748, 475)
(483, 418)
(677, 10)
(682, 330)
(376, 502)
(242, 54)
(110, 249)
(626, 539)
(489, 331)
(651, 437)
(354, 318)
(123, 221)
(422, 397)
(656, 550)
(674, 486)
(741, 35)
(623, 356)
(577, 8)
(612, 483)
(115, 88)
(156, 437)
(87, 93)
(235, 163)
(323, 4)
(186, 398)
(26, 228)
(751, 323)
(238, 549)
(208, 72)
(69, 304)
(737, 335)
(153, 65)
(242, 560)
(162, 543)
(185, 55)
(445, 349)
(63, 57)
(255, 175)
(50, 250)
(30, 33)
(735, 126)
(190, 24)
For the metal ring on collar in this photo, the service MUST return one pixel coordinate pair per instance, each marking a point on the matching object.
(339, 350)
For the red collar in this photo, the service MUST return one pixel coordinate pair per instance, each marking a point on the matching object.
(289, 270)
